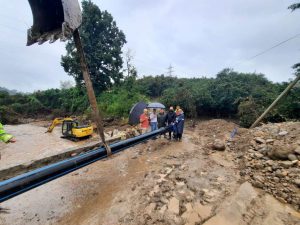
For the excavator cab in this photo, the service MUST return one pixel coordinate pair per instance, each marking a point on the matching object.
(71, 129)
(67, 127)
(53, 19)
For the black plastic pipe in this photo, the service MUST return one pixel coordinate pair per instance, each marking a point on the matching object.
(27, 181)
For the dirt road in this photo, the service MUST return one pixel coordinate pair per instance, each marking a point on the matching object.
(158, 182)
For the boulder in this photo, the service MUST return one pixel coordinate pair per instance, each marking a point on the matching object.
(279, 151)
(219, 145)
(287, 164)
(270, 162)
(259, 140)
(282, 133)
(297, 182)
(292, 157)
(258, 181)
(258, 155)
(297, 150)
(281, 174)
(270, 141)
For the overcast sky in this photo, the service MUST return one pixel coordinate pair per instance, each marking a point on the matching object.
(197, 37)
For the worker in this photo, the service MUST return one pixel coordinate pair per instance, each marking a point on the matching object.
(4, 137)
(177, 110)
(153, 120)
(161, 118)
(170, 119)
(179, 125)
(144, 121)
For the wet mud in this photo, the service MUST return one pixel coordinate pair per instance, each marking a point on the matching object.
(158, 182)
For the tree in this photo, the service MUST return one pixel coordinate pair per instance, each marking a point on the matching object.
(130, 68)
(66, 84)
(102, 43)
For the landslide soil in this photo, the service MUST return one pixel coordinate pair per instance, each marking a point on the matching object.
(158, 182)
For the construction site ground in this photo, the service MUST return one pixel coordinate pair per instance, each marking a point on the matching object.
(32, 144)
(35, 148)
(168, 182)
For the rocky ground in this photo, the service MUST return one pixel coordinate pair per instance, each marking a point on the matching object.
(269, 158)
(209, 178)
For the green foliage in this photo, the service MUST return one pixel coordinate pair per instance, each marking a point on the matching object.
(249, 111)
(155, 86)
(191, 94)
(7, 115)
(60, 102)
(74, 100)
(289, 107)
(230, 94)
(296, 67)
(102, 43)
(119, 100)
(230, 87)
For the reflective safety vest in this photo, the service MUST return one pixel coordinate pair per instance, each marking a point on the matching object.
(3, 135)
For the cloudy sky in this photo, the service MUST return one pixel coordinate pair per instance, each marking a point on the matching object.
(197, 37)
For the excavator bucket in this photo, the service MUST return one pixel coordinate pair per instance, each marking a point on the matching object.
(53, 19)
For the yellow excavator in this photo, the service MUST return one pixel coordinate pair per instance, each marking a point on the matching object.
(71, 129)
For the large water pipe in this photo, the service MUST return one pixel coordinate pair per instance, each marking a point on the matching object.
(27, 181)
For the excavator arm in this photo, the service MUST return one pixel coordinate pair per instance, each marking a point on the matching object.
(57, 121)
(54, 19)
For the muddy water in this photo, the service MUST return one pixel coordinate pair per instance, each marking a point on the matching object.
(32, 144)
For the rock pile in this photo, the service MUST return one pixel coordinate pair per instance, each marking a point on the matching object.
(173, 198)
(124, 134)
(271, 160)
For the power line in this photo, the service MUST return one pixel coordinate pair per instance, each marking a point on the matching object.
(269, 49)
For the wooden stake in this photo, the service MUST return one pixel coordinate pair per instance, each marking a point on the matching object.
(90, 91)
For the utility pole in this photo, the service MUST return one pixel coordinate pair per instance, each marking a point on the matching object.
(170, 70)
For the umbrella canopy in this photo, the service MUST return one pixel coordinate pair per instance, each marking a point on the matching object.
(156, 105)
(135, 112)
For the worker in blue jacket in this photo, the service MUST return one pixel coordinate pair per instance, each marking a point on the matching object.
(179, 125)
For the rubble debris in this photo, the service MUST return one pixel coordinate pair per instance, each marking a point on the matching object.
(270, 160)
